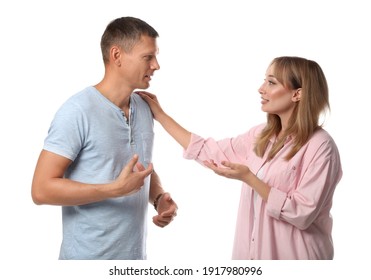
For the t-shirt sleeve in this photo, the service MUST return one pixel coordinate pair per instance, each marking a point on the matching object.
(66, 133)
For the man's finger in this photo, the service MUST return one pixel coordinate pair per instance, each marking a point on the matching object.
(139, 167)
(148, 171)
(131, 164)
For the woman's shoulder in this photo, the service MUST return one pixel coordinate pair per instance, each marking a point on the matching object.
(321, 139)
(251, 134)
(322, 135)
(257, 129)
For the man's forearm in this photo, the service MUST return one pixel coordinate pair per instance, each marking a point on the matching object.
(155, 187)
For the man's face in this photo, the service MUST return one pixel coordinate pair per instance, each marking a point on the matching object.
(140, 63)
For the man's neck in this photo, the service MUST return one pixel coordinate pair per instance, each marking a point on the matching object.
(120, 96)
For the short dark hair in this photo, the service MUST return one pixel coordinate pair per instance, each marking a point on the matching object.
(124, 32)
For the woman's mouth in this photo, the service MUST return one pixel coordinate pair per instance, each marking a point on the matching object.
(264, 101)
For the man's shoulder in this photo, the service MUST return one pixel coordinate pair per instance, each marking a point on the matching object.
(140, 104)
(78, 100)
(139, 100)
(81, 96)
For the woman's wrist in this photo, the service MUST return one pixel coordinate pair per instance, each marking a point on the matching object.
(249, 178)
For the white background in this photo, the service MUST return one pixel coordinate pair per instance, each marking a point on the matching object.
(213, 57)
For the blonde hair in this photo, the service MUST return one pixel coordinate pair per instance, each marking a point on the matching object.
(294, 73)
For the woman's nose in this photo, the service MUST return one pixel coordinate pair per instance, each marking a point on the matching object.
(261, 89)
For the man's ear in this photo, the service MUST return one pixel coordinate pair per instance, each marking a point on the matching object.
(115, 55)
(296, 95)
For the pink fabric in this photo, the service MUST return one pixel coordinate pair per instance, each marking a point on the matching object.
(295, 222)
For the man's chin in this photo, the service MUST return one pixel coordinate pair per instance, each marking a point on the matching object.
(143, 87)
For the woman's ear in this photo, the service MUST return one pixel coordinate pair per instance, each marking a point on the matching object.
(297, 95)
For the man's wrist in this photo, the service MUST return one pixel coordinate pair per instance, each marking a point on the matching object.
(157, 199)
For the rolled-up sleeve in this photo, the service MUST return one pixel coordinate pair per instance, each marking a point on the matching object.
(229, 149)
(313, 193)
(234, 149)
(194, 148)
(276, 200)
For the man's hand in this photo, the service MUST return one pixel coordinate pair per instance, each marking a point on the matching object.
(166, 209)
(131, 178)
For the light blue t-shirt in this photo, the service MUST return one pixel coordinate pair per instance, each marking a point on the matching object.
(94, 133)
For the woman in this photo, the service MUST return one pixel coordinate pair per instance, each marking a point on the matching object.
(289, 166)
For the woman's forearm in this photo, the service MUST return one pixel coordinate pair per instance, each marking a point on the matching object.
(179, 133)
(258, 185)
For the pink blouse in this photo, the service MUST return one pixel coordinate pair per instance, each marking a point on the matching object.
(295, 222)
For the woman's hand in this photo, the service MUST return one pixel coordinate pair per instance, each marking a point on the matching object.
(230, 170)
(243, 173)
(179, 133)
(153, 103)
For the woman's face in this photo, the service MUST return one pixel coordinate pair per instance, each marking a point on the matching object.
(275, 98)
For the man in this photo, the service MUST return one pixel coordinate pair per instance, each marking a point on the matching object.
(96, 159)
